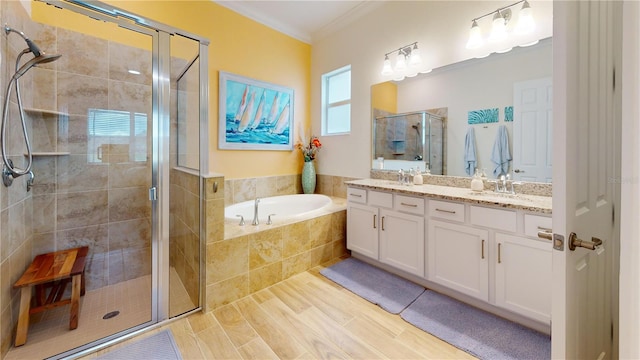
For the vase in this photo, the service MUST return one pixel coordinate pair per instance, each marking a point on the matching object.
(309, 177)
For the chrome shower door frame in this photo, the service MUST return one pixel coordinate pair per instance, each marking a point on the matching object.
(161, 127)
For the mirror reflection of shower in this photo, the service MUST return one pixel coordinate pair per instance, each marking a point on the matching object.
(419, 156)
(9, 171)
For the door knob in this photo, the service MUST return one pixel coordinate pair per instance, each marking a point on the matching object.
(574, 242)
(518, 171)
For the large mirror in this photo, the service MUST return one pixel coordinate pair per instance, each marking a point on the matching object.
(515, 85)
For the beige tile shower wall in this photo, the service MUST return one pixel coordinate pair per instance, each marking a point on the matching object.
(239, 190)
(184, 232)
(97, 195)
(240, 266)
(16, 204)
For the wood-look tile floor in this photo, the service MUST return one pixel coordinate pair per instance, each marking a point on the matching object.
(304, 317)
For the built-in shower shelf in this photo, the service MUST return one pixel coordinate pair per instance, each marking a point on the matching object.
(46, 112)
(49, 153)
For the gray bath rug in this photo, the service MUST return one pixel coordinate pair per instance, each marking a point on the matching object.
(160, 346)
(388, 291)
(477, 332)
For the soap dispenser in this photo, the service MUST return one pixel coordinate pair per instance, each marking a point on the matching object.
(417, 178)
(476, 182)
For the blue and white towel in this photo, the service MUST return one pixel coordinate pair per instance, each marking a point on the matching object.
(470, 151)
(500, 155)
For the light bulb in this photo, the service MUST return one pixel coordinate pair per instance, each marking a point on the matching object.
(499, 28)
(386, 67)
(401, 63)
(415, 59)
(526, 25)
(475, 36)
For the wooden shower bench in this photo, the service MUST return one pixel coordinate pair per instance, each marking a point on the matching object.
(51, 271)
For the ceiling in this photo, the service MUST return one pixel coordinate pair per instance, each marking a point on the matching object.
(305, 20)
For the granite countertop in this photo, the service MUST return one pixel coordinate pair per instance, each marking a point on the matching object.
(533, 203)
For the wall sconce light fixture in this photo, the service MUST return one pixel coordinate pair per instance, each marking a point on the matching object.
(407, 59)
(501, 18)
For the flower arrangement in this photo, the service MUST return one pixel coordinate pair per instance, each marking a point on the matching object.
(310, 150)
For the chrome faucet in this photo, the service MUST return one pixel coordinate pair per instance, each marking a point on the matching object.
(504, 184)
(255, 212)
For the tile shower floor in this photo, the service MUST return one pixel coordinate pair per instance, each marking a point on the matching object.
(49, 332)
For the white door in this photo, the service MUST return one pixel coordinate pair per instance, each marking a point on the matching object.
(532, 130)
(586, 123)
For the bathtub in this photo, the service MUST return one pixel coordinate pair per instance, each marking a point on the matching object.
(282, 207)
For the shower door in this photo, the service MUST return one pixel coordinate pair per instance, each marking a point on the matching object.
(94, 120)
(119, 124)
(105, 166)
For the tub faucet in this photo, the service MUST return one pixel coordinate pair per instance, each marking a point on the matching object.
(255, 212)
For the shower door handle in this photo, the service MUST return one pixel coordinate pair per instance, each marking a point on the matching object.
(153, 193)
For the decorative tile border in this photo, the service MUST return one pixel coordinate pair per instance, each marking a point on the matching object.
(508, 113)
(483, 116)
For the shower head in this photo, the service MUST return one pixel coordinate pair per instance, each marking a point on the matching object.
(417, 127)
(32, 47)
(40, 59)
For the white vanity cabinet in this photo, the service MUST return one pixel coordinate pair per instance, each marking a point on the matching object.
(362, 224)
(402, 235)
(387, 227)
(491, 254)
(484, 252)
(523, 273)
(458, 258)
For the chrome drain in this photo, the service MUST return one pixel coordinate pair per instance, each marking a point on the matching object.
(111, 314)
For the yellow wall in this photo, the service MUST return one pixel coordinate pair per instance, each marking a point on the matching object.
(240, 46)
(384, 96)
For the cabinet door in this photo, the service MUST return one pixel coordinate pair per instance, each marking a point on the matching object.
(402, 241)
(523, 276)
(458, 258)
(362, 229)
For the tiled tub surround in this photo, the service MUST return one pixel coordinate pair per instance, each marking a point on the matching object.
(527, 188)
(532, 203)
(251, 258)
(239, 190)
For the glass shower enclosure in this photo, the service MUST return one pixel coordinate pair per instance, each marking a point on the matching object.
(116, 128)
(410, 137)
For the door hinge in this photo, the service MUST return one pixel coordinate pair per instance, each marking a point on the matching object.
(614, 78)
(153, 193)
(613, 214)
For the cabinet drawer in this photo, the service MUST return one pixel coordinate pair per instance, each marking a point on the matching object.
(446, 210)
(383, 199)
(357, 195)
(535, 223)
(493, 218)
(409, 204)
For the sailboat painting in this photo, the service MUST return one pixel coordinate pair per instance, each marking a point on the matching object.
(254, 115)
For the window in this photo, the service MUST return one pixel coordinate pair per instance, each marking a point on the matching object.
(336, 101)
(119, 134)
